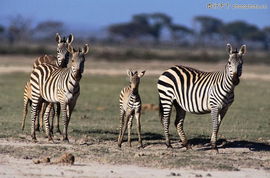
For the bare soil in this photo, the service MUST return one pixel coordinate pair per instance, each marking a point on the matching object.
(90, 163)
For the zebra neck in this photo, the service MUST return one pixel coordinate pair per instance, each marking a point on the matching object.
(72, 81)
(134, 91)
(62, 59)
(227, 81)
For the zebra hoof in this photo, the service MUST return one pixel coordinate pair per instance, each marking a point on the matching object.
(214, 150)
(34, 139)
(50, 140)
(188, 147)
(119, 145)
(140, 147)
(65, 140)
(58, 131)
(169, 146)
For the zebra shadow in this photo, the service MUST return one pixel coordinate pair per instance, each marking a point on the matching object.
(99, 134)
(223, 143)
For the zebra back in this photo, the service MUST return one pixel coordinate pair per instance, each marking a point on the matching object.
(193, 89)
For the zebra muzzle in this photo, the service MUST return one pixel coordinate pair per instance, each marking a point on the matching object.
(235, 79)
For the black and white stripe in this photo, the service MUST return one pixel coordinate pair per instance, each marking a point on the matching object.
(61, 60)
(130, 107)
(62, 56)
(194, 91)
(52, 84)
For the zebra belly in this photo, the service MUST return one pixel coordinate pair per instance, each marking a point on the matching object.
(195, 110)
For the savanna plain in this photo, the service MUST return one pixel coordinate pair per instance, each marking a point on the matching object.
(244, 136)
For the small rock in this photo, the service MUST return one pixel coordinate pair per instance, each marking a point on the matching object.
(140, 154)
(208, 175)
(173, 174)
(198, 175)
(26, 157)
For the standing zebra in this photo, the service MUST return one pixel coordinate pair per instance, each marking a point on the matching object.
(57, 85)
(130, 106)
(61, 60)
(191, 90)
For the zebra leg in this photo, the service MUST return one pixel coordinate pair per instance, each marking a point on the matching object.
(64, 108)
(122, 117)
(138, 120)
(46, 120)
(126, 118)
(165, 113)
(179, 122)
(25, 111)
(52, 113)
(130, 119)
(40, 117)
(58, 118)
(214, 115)
(34, 112)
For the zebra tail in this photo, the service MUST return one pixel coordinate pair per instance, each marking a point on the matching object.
(160, 110)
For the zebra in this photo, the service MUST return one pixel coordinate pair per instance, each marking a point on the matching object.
(57, 85)
(195, 91)
(62, 57)
(130, 106)
(61, 60)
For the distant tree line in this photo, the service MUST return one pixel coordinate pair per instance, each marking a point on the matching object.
(149, 28)
(22, 29)
(206, 30)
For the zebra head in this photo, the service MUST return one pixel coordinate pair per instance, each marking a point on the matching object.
(135, 78)
(77, 60)
(235, 62)
(62, 52)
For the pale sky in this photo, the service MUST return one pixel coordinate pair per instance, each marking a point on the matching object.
(95, 14)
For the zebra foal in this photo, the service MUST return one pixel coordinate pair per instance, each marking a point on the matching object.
(130, 106)
(191, 90)
(57, 85)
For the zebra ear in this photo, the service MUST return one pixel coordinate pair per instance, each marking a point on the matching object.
(141, 74)
(70, 39)
(58, 38)
(129, 73)
(85, 49)
(243, 50)
(70, 49)
(229, 48)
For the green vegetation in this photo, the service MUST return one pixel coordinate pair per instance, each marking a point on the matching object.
(96, 113)
(96, 120)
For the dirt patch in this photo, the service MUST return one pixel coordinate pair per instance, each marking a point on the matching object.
(12, 167)
(103, 159)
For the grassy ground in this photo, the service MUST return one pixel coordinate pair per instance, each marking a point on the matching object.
(95, 122)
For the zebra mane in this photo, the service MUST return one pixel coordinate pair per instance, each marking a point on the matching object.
(63, 40)
(235, 51)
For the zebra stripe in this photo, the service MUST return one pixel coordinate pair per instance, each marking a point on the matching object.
(57, 85)
(130, 107)
(61, 60)
(195, 91)
(62, 56)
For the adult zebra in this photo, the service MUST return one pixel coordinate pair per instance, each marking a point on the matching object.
(57, 85)
(60, 60)
(191, 90)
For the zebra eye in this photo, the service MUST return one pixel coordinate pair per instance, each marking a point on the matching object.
(229, 62)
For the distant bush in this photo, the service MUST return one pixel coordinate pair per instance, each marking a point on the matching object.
(25, 50)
